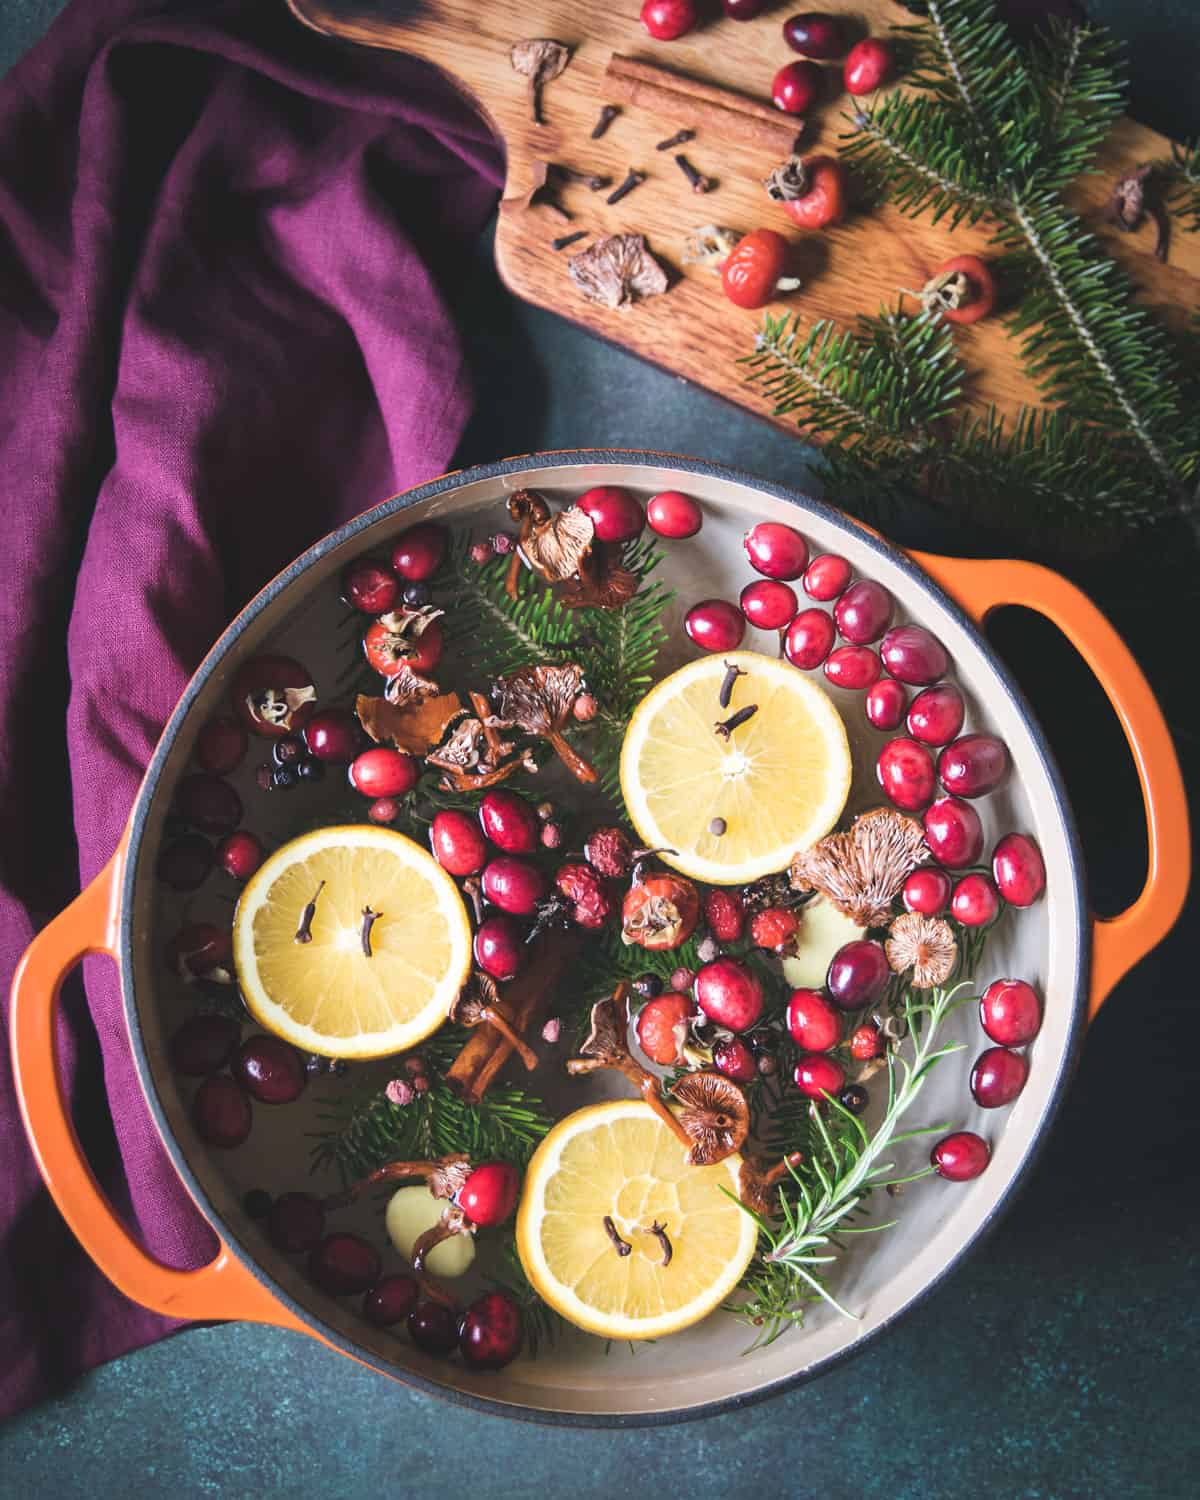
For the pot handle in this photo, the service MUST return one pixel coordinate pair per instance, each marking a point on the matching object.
(222, 1289)
(981, 586)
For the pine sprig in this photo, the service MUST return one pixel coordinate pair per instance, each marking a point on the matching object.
(499, 634)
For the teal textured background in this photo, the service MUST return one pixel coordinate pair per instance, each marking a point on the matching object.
(1059, 1364)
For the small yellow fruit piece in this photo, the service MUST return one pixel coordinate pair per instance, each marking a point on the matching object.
(618, 1159)
(823, 930)
(776, 784)
(328, 994)
(413, 1210)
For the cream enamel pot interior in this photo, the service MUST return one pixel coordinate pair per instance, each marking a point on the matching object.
(1056, 944)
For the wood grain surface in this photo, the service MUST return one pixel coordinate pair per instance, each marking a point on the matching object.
(692, 330)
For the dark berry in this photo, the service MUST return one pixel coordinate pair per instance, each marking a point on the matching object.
(854, 1098)
(997, 1077)
(270, 1069)
(390, 1300)
(256, 1203)
(208, 803)
(417, 595)
(221, 745)
(370, 587)
(863, 611)
(648, 986)
(264, 776)
(499, 947)
(197, 949)
(817, 1074)
(491, 1334)
(333, 735)
(973, 765)
(734, 1059)
(509, 821)
(858, 974)
(296, 1223)
(433, 1328)
(814, 34)
(221, 1112)
(185, 862)
(240, 854)
(458, 843)
(310, 769)
(417, 553)
(288, 750)
(960, 1157)
(911, 654)
(203, 1044)
(283, 778)
(342, 1264)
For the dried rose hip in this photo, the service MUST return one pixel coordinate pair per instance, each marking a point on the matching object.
(273, 695)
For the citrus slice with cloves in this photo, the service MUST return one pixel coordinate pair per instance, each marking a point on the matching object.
(351, 942)
(611, 1176)
(732, 764)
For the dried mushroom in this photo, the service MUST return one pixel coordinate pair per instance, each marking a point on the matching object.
(709, 246)
(926, 945)
(617, 270)
(861, 871)
(538, 701)
(553, 543)
(405, 686)
(479, 1005)
(758, 1186)
(540, 60)
(415, 726)
(714, 1114)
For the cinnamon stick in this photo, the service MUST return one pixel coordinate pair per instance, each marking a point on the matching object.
(701, 106)
(474, 1069)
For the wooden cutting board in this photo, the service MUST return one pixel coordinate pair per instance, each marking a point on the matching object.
(692, 331)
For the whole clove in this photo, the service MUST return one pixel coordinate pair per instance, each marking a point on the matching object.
(635, 179)
(564, 240)
(607, 115)
(700, 183)
(304, 930)
(732, 673)
(622, 1247)
(369, 919)
(659, 1231)
(725, 727)
(680, 138)
(568, 174)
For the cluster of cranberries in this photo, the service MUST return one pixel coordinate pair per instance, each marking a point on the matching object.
(818, 38)
(233, 1072)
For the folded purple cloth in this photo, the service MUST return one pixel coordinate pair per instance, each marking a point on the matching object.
(218, 339)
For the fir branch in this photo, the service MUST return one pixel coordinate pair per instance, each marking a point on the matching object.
(1078, 78)
(500, 634)
(1180, 176)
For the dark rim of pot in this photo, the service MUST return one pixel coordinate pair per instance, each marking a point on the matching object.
(278, 585)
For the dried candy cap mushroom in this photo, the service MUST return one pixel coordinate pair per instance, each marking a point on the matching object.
(540, 60)
(715, 1115)
(861, 871)
(926, 945)
(617, 270)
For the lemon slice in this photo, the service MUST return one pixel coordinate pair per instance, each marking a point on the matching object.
(327, 995)
(779, 781)
(619, 1159)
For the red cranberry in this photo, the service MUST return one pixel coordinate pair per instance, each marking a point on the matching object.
(960, 1157)
(458, 843)
(509, 821)
(975, 901)
(490, 1193)
(853, 667)
(775, 929)
(185, 862)
(499, 947)
(342, 1264)
(732, 1057)
(953, 832)
(296, 1223)
(383, 772)
(513, 885)
(240, 854)
(417, 553)
(867, 66)
(814, 34)
(675, 515)
(744, 10)
(616, 515)
(936, 715)
(203, 1044)
(826, 577)
(384, 810)
(812, 1021)
(809, 639)
(776, 550)
(221, 1112)
(199, 948)
(973, 765)
(270, 1069)
(796, 87)
(905, 772)
(1018, 869)
(220, 745)
(390, 1300)
(370, 587)
(817, 1074)
(858, 974)
(1010, 1012)
(768, 604)
(885, 703)
(863, 611)
(926, 890)
(998, 1077)
(729, 994)
(911, 654)
(491, 1334)
(208, 803)
(715, 625)
(866, 1042)
(662, 1026)
(333, 736)
(433, 1327)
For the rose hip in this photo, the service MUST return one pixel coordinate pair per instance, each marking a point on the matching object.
(815, 34)
(383, 772)
(458, 843)
(666, 20)
(817, 1075)
(674, 514)
(953, 832)
(812, 1021)
(826, 577)
(725, 914)
(768, 604)
(499, 947)
(905, 772)
(998, 1077)
(510, 821)
(885, 703)
(809, 639)
(796, 87)
(866, 1042)
(729, 994)
(342, 1264)
(973, 765)
(1010, 1012)
(936, 715)
(863, 611)
(417, 553)
(513, 885)
(662, 1028)
(715, 625)
(370, 587)
(775, 929)
(208, 803)
(1018, 869)
(384, 810)
(270, 1069)
(911, 654)
(867, 66)
(927, 891)
(203, 1045)
(858, 974)
(975, 901)
(960, 1157)
(853, 667)
(240, 854)
(221, 745)
(221, 1112)
(776, 550)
